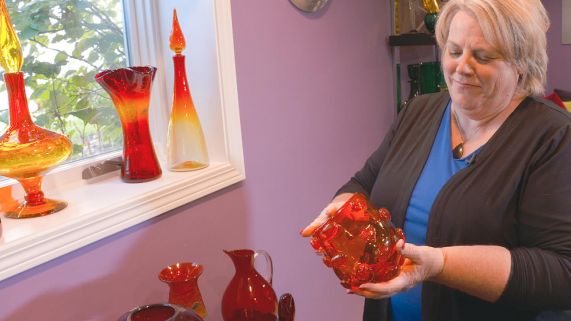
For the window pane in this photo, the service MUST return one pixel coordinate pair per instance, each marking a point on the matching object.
(65, 43)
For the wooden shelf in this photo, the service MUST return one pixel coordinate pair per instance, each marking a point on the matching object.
(412, 39)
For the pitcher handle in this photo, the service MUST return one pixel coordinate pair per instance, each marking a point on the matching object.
(269, 263)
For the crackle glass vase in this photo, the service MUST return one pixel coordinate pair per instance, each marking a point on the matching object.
(130, 90)
(359, 243)
(26, 150)
(185, 141)
(182, 279)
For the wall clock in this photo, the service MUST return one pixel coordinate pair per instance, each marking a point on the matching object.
(309, 5)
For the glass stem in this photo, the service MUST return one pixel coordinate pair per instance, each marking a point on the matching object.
(19, 112)
(33, 188)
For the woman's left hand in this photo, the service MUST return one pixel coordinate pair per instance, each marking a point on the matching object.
(421, 263)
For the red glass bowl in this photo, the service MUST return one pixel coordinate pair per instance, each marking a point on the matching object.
(359, 243)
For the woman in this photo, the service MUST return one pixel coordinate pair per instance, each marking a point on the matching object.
(479, 178)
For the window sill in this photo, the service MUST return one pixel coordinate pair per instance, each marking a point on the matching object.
(101, 209)
(106, 206)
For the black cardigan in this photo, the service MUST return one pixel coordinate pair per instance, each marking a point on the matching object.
(515, 193)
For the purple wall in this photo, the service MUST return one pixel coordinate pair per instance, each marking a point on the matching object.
(316, 96)
(559, 67)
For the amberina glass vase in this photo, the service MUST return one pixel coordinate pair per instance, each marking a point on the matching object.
(130, 90)
(185, 143)
(28, 151)
(182, 279)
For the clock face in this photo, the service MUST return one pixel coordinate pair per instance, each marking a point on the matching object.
(309, 5)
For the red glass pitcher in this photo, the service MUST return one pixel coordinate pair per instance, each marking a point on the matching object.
(249, 296)
(359, 243)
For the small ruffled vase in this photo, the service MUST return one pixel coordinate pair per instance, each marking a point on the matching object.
(182, 279)
(130, 90)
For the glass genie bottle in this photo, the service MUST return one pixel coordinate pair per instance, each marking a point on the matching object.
(359, 243)
(130, 90)
(26, 150)
(185, 143)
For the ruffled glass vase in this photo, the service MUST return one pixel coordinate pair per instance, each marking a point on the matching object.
(182, 279)
(130, 90)
(28, 151)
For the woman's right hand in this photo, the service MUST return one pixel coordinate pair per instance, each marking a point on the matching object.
(326, 213)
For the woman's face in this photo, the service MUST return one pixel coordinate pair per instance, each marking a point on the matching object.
(479, 79)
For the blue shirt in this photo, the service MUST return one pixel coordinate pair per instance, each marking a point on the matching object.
(440, 166)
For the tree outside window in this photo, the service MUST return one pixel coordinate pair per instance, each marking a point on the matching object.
(65, 43)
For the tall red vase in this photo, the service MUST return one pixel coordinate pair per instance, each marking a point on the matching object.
(130, 90)
(249, 297)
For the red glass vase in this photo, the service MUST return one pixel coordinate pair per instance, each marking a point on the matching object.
(27, 152)
(182, 279)
(249, 297)
(130, 90)
(359, 243)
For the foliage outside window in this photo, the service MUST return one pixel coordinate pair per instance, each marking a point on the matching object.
(65, 43)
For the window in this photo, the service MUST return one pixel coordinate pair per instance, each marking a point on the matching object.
(64, 46)
(99, 208)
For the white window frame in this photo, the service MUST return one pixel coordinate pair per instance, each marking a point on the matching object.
(108, 205)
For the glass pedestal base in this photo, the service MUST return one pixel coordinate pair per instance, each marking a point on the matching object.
(24, 210)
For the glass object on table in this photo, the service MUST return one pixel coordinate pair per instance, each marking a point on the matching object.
(414, 76)
(182, 279)
(359, 243)
(27, 151)
(185, 142)
(249, 296)
(130, 90)
(286, 307)
(412, 5)
(431, 7)
(160, 312)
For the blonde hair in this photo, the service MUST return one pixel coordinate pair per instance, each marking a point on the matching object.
(516, 28)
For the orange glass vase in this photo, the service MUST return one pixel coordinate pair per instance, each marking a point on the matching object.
(359, 243)
(28, 151)
(182, 279)
(185, 143)
(130, 90)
